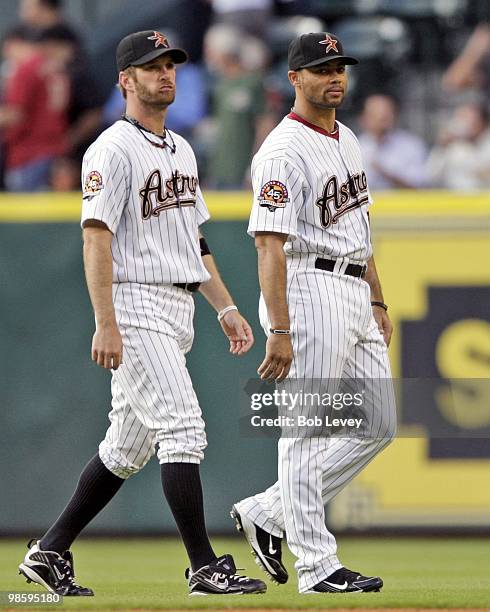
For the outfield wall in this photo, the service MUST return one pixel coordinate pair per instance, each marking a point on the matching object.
(432, 252)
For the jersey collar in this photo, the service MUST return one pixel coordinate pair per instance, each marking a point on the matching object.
(316, 128)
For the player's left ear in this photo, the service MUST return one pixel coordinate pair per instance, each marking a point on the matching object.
(125, 81)
(294, 78)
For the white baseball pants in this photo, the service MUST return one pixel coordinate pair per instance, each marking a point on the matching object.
(334, 336)
(153, 400)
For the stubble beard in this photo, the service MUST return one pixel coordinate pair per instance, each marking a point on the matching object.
(324, 103)
(154, 101)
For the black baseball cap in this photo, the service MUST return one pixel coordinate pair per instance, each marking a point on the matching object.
(141, 47)
(314, 49)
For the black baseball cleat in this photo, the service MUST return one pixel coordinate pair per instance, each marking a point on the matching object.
(346, 581)
(53, 571)
(266, 548)
(220, 578)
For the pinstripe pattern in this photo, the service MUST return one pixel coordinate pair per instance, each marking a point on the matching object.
(153, 401)
(150, 199)
(162, 308)
(303, 160)
(312, 471)
(165, 247)
(335, 338)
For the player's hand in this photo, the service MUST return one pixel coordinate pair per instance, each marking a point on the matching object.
(384, 324)
(238, 332)
(107, 346)
(278, 358)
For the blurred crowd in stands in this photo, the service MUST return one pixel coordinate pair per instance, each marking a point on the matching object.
(235, 91)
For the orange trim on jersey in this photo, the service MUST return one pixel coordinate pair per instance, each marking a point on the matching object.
(317, 128)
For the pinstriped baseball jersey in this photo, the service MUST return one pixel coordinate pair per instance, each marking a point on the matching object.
(150, 199)
(312, 186)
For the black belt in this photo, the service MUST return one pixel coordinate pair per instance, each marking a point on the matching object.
(192, 287)
(351, 269)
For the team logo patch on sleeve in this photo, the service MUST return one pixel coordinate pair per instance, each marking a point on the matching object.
(93, 184)
(273, 195)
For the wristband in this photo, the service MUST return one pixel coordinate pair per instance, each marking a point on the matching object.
(222, 313)
(380, 304)
(204, 247)
(284, 332)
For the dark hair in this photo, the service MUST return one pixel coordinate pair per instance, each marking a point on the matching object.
(52, 4)
(59, 33)
(20, 32)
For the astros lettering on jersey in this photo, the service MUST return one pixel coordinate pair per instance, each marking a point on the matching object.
(300, 164)
(126, 180)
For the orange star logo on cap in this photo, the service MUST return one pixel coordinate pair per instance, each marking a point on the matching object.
(160, 39)
(330, 42)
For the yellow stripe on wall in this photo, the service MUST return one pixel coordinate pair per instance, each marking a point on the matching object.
(235, 206)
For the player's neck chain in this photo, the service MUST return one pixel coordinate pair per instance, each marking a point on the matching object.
(141, 128)
(333, 133)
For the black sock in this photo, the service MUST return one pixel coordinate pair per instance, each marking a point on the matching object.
(182, 487)
(96, 487)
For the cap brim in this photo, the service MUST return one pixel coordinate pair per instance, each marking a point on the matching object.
(351, 61)
(179, 56)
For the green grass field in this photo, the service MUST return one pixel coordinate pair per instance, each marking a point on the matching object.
(148, 574)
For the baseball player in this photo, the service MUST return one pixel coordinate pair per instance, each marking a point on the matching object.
(323, 311)
(144, 257)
